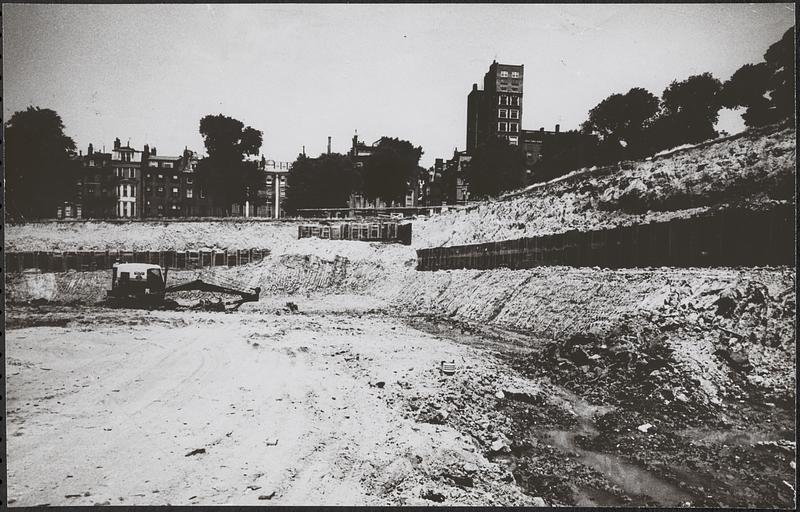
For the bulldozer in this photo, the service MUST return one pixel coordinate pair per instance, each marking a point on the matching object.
(143, 285)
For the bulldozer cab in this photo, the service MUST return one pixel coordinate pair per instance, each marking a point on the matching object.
(137, 279)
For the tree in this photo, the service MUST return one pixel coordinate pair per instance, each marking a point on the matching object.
(689, 111)
(224, 172)
(496, 167)
(747, 87)
(323, 182)
(566, 152)
(39, 171)
(780, 58)
(620, 121)
(391, 169)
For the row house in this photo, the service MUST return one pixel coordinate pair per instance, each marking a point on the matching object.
(171, 188)
(267, 201)
(96, 186)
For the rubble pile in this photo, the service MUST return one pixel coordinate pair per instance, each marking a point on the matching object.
(756, 168)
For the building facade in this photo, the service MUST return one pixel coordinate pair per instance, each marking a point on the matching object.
(496, 111)
(267, 201)
(96, 185)
(127, 164)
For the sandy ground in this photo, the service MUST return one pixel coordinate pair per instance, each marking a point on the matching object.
(105, 408)
(344, 403)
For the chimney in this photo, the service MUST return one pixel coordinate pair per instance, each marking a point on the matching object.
(153, 151)
(116, 143)
(541, 129)
(304, 150)
(558, 128)
(146, 151)
(329, 144)
(90, 151)
(474, 87)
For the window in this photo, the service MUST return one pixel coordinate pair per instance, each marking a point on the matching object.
(515, 74)
(174, 177)
(504, 74)
(202, 193)
(160, 190)
(161, 176)
(189, 180)
(148, 189)
(501, 127)
(513, 127)
(513, 140)
(513, 114)
(174, 207)
(174, 191)
(502, 113)
(168, 165)
(160, 207)
(188, 193)
(502, 99)
(148, 203)
(515, 101)
(91, 163)
(152, 163)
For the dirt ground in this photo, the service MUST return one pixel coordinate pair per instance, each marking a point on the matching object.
(344, 403)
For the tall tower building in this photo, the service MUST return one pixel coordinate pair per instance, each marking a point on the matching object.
(496, 111)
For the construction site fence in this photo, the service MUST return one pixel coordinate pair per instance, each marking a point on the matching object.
(62, 261)
(731, 238)
(364, 231)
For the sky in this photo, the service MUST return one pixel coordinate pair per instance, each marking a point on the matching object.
(300, 73)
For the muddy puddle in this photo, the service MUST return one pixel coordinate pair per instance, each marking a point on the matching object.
(636, 482)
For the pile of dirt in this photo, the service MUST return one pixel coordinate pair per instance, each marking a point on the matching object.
(755, 168)
(732, 330)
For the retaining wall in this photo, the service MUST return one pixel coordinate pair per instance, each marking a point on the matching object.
(365, 231)
(61, 261)
(734, 237)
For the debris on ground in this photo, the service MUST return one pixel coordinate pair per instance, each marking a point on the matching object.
(196, 451)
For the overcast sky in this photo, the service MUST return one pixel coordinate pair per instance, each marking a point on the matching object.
(148, 73)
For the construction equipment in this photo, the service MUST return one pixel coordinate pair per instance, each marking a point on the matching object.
(143, 285)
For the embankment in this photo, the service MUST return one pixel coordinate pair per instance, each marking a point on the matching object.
(753, 169)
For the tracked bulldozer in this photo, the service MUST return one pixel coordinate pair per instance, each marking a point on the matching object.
(142, 285)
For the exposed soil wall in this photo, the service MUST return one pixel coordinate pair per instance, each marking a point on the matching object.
(754, 168)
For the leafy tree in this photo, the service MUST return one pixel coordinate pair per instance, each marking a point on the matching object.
(620, 121)
(689, 111)
(224, 172)
(747, 87)
(391, 170)
(780, 58)
(495, 167)
(323, 182)
(39, 172)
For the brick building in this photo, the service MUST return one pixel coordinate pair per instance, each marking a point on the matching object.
(268, 200)
(96, 185)
(171, 188)
(127, 164)
(495, 111)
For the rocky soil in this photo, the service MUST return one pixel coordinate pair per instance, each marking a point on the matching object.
(755, 168)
